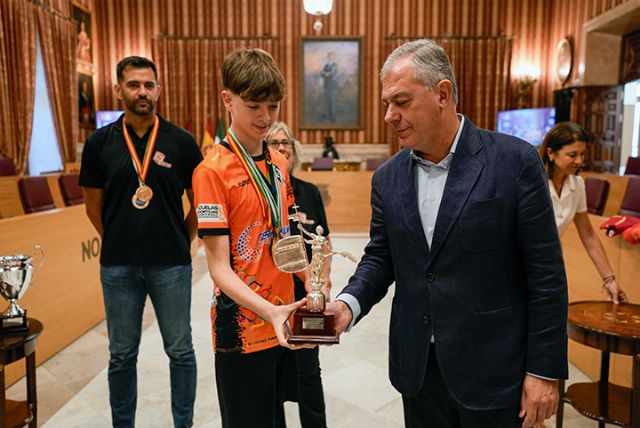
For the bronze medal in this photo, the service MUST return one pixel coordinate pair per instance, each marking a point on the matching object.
(142, 197)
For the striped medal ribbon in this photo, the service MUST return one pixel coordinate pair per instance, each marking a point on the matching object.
(270, 202)
(143, 194)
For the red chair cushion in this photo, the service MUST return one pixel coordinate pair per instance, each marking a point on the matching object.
(35, 194)
(71, 191)
(597, 191)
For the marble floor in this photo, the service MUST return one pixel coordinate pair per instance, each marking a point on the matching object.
(72, 385)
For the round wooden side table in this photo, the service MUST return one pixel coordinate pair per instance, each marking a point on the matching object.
(14, 347)
(609, 328)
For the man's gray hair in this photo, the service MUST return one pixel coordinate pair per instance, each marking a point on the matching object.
(430, 63)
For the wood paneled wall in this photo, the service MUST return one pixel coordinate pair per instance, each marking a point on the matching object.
(125, 27)
(568, 17)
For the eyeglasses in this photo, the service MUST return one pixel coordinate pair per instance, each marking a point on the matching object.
(275, 143)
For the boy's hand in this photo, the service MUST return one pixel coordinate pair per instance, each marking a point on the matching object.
(279, 317)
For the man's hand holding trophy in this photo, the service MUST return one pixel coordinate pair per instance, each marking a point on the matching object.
(311, 325)
(16, 273)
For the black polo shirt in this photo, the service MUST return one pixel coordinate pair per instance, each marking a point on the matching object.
(309, 201)
(156, 235)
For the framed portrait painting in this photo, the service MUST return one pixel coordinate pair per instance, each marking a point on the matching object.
(86, 104)
(330, 86)
(84, 61)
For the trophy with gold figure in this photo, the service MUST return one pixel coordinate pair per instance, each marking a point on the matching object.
(310, 323)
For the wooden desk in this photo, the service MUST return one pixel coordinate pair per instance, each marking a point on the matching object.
(609, 328)
(10, 203)
(13, 348)
(346, 196)
(66, 294)
(347, 165)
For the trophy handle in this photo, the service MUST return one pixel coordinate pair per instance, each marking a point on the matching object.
(38, 256)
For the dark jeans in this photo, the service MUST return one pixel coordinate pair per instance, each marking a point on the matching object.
(125, 289)
(304, 385)
(434, 407)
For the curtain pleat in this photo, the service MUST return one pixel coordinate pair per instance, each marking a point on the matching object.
(535, 25)
(58, 39)
(127, 27)
(189, 74)
(17, 77)
(6, 149)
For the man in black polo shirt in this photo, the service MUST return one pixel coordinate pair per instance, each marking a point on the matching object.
(134, 173)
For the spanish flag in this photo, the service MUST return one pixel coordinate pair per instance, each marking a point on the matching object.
(207, 139)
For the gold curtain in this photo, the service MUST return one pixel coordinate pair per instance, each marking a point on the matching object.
(17, 79)
(58, 39)
(482, 67)
(188, 70)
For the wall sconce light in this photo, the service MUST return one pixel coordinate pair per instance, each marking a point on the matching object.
(318, 8)
(525, 76)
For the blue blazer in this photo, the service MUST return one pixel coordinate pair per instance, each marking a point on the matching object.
(492, 287)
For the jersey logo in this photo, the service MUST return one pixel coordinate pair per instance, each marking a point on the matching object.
(243, 182)
(159, 158)
(210, 213)
(252, 241)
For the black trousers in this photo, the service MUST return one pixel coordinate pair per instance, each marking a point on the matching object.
(304, 385)
(251, 388)
(434, 407)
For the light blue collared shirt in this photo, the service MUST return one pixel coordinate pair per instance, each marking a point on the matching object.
(430, 181)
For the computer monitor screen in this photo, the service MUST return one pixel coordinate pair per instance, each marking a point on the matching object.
(530, 124)
(105, 117)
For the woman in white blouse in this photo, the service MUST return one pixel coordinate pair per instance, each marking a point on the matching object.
(562, 153)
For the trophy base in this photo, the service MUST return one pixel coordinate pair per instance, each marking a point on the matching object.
(313, 328)
(15, 324)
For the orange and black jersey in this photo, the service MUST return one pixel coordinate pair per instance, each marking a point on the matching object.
(227, 204)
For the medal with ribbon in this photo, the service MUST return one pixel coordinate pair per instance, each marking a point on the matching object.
(269, 196)
(288, 252)
(143, 193)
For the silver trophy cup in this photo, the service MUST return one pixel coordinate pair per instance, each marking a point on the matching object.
(16, 272)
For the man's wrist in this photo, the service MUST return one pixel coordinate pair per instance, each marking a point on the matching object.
(346, 305)
(354, 307)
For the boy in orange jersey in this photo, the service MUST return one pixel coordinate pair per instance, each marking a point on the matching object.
(242, 195)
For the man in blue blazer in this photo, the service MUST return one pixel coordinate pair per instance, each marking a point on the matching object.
(463, 223)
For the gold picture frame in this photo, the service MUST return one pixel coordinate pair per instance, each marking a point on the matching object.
(330, 83)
